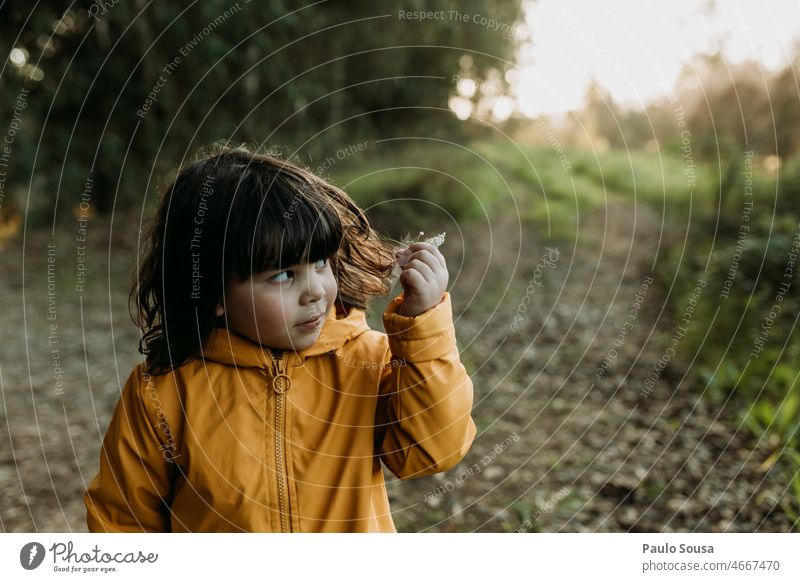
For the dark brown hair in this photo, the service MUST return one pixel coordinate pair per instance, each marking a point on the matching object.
(238, 212)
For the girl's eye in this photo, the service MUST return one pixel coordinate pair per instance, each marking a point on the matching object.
(278, 278)
(283, 276)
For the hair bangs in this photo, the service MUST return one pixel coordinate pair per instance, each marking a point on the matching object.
(290, 225)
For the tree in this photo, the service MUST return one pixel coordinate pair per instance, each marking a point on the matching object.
(119, 90)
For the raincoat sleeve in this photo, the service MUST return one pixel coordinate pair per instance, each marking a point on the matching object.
(423, 416)
(132, 490)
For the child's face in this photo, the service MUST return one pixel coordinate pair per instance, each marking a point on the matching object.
(270, 307)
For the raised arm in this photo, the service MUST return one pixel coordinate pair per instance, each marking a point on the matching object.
(423, 421)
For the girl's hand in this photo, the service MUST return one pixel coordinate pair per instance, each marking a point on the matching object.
(424, 278)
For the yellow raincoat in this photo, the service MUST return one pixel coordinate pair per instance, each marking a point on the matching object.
(254, 440)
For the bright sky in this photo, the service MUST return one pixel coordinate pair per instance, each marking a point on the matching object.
(636, 48)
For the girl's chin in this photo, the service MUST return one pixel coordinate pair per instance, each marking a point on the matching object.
(301, 341)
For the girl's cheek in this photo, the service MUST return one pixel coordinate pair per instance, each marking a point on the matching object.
(333, 287)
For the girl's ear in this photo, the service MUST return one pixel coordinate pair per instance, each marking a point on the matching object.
(220, 310)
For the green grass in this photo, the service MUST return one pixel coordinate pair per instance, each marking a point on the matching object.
(553, 192)
(429, 183)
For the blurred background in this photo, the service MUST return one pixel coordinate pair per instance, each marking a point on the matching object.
(619, 184)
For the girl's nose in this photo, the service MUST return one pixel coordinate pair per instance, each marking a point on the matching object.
(315, 291)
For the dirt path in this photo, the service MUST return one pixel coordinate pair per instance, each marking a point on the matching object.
(559, 448)
(564, 448)
(63, 360)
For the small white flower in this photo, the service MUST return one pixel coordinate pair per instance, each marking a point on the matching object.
(436, 240)
(407, 240)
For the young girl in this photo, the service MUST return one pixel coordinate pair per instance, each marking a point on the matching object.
(265, 402)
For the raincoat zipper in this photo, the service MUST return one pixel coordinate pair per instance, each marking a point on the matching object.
(280, 385)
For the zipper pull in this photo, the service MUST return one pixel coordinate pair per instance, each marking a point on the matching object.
(281, 382)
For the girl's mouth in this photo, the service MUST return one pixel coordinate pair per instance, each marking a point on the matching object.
(311, 323)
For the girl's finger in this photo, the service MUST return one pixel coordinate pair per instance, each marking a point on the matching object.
(423, 246)
(412, 278)
(428, 258)
(424, 269)
(402, 257)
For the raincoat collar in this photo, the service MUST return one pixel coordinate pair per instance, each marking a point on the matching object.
(228, 347)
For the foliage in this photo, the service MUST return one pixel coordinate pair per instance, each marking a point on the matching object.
(745, 343)
(122, 92)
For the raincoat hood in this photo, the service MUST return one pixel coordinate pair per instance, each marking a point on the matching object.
(230, 348)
